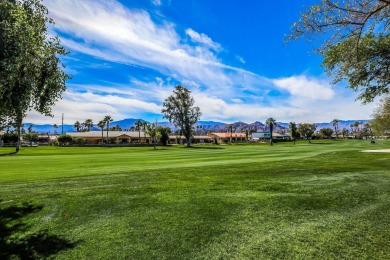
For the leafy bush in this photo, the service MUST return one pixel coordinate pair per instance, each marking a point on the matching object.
(10, 137)
(64, 139)
(80, 141)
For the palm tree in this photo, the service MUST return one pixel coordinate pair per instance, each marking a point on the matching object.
(270, 122)
(230, 130)
(293, 130)
(101, 125)
(144, 125)
(108, 119)
(77, 125)
(138, 127)
(88, 124)
(335, 123)
(55, 126)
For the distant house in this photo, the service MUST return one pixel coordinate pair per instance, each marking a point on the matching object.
(261, 135)
(258, 136)
(45, 138)
(225, 137)
(117, 137)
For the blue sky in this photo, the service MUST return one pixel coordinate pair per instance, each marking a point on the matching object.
(127, 56)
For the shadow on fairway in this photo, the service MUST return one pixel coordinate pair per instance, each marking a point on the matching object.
(8, 154)
(203, 147)
(15, 244)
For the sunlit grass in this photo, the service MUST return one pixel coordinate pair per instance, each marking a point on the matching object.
(324, 200)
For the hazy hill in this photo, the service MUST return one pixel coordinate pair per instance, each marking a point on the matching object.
(205, 126)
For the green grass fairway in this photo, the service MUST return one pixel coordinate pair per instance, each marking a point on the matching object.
(325, 200)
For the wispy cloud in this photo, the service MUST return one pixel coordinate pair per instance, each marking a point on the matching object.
(109, 31)
(241, 59)
(156, 2)
(203, 39)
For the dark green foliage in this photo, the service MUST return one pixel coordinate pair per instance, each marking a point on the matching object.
(164, 134)
(365, 68)
(306, 130)
(31, 73)
(293, 131)
(10, 137)
(31, 137)
(65, 139)
(179, 109)
(80, 141)
(326, 132)
(270, 122)
(116, 128)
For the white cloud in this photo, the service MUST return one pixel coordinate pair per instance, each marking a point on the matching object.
(203, 39)
(108, 30)
(301, 86)
(156, 2)
(237, 100)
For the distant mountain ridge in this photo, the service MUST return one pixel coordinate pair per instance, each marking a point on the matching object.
(202, 126)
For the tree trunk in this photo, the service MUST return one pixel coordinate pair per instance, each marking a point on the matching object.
(108, 126)
(18, 143)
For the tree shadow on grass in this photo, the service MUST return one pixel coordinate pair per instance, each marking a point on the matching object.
(17, 242)
(8, 154)
(203, 147)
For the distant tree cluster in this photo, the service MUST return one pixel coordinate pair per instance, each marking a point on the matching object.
(83, 127)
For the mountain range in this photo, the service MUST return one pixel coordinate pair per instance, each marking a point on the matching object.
(202, 126)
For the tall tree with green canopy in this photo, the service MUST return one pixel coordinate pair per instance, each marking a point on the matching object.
(270, 123)
(307, 130)
(293, 130)
(326, 132)
(31, 73)
(357, 48)
(179, 109)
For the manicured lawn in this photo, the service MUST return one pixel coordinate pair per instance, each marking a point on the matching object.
(320, 200)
